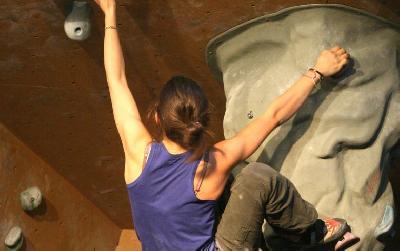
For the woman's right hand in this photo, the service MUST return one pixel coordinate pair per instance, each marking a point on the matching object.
(106, 5)
(331, 61)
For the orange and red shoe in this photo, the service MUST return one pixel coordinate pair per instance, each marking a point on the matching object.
(335, 229)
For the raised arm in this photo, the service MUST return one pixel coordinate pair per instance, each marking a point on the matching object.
(133, 134)
(243, 144)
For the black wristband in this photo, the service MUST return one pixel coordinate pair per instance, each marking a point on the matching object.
(322, 75)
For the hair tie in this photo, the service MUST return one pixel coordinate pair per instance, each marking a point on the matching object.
(194, 126)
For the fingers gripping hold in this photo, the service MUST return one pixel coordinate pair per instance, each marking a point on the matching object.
(342, 56)
(332, 61)
(340, 52)
(335, 49)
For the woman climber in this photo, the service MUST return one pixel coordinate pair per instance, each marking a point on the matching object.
(173, 184)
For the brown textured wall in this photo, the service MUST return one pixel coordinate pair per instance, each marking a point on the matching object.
(53, 93)
(65, 221)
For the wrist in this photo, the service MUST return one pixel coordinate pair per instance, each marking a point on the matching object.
(314, 75)
(110, 12)
(320, 72)
(110, 19)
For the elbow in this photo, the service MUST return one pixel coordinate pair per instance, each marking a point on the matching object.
(274, 116)
(114, 82)
(116, 76)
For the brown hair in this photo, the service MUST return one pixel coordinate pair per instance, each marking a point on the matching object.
(183, 111)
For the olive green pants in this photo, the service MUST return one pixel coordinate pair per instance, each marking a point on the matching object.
(260, 193)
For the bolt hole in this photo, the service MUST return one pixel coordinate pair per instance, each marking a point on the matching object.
(250, 115)
(78, 31)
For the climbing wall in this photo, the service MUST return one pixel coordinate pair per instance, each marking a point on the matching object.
(53, 93)
(336, 149)
(65, 220)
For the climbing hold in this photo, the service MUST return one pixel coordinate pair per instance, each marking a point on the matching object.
(14, 239)
(77, 23)
(310, 147)
(31, 198)
(387, 222)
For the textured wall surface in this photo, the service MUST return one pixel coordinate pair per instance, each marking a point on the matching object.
(53, 94)
(65, 221)
(336, 148)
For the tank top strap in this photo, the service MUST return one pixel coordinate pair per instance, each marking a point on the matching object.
(147, 153)
(203, 172)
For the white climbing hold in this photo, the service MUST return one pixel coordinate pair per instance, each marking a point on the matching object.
(77, 24)
(14, 239)
(31, 198)
(386, 223)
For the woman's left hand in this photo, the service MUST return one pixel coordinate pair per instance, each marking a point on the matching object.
(331, 61)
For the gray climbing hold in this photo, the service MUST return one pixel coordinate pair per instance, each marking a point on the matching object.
(77, 24)
(31, 198)
(14, 239)
(387, 222)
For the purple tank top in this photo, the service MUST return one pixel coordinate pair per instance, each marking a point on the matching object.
(166, 212)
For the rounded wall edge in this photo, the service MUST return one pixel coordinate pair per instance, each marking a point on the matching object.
(213, 45)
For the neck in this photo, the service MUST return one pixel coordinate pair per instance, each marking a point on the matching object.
(173, 147)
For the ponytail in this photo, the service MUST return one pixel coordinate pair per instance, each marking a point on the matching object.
(183, 113)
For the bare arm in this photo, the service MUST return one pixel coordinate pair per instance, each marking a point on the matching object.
(244, 143)
(133, 134)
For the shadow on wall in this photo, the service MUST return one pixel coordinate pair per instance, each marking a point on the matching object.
(289, 134)
(153, 25)
(45, 212)
(393, 243)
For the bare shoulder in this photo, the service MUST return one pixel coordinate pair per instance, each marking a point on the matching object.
(211, 177)
(135, 138)
(225, 154)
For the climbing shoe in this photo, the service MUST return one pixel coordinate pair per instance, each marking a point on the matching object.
(322, 232)
(335, 228)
